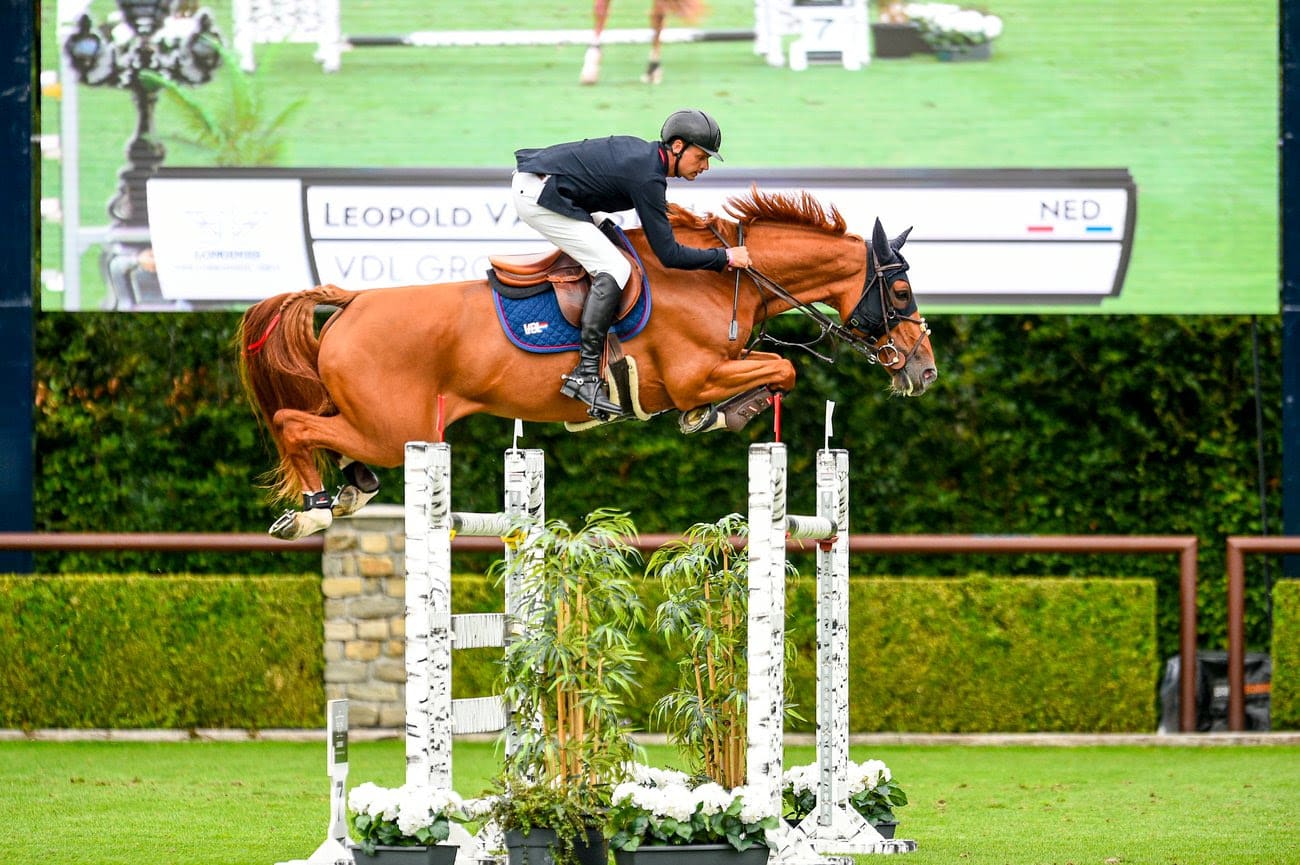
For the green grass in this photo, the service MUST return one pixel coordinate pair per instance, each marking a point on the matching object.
(238, 803)
(1186, 99)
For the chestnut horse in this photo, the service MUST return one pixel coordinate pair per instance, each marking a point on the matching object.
(393, 365)
(659, 11)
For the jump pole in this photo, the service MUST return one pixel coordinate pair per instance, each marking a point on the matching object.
(432, 632)
(835, 827)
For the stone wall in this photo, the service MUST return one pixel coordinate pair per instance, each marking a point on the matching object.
(364, 583)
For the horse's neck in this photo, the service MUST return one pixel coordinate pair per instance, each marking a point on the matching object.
(807, 265)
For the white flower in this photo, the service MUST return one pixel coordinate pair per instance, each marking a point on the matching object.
(413, 812)
(361, 797)
(711, 798)
(625, 791)
(867, 775)
(753, 807)
(801, 779)
(410, 807)
(677, 804)
(938, 20)
(641, 775)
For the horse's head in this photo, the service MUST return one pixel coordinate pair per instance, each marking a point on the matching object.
(886, 314)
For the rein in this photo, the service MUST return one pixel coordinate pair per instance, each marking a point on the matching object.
(887, 354)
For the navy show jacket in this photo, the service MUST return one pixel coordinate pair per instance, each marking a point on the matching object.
(621, 172)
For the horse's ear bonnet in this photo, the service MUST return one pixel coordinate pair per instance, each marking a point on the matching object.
(694, 127)
(880, 245)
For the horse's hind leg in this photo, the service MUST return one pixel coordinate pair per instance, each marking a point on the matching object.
(591, 60)
(302, 434)
(361, 486)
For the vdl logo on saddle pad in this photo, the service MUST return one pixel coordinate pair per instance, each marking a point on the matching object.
(536, 324)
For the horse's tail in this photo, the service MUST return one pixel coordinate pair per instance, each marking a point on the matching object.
(278, 349)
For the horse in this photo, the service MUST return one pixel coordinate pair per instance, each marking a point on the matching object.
(659, 11)
(399, 364)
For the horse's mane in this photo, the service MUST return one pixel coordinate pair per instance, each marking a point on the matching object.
(800, 208)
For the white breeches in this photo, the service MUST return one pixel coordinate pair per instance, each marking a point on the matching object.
(581, 239)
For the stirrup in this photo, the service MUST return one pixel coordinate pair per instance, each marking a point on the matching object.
(594, 392)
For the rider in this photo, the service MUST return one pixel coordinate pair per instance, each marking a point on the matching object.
(556, 189)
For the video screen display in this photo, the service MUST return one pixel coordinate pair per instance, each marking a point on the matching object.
(1050, 156)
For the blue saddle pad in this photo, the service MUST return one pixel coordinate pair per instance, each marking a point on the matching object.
(536, 324)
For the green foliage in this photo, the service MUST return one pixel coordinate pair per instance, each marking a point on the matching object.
(670, 809)
(179, 652)
(406, 816)
(1284, 701)
(706, 582)
(571, 811)
(237, 131)
(572, 659)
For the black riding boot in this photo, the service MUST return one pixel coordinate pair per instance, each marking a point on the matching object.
(598, 312)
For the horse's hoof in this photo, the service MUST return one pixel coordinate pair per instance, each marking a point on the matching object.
(349, 499)
(590, 66)
(292, 525)
(699, 419)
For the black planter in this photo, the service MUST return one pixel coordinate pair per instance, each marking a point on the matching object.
(691, 854)
(886, 828)
(537, 846)
(436, 854)
(891, 41)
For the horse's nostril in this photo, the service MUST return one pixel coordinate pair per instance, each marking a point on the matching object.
(929, 375)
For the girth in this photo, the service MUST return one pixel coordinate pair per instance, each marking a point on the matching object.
(526, 274)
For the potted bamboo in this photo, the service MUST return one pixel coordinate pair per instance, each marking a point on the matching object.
(705, 580)
(567, 670)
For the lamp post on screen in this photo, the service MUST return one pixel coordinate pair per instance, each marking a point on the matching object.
(144, 36)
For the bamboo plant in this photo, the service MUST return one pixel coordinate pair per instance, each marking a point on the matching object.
(706, 580)
(571, 661)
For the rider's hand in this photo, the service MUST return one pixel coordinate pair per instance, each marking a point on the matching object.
(738, 257)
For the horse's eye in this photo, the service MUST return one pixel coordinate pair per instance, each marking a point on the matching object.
(902, 294)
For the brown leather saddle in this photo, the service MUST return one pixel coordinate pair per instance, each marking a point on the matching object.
(535, 270)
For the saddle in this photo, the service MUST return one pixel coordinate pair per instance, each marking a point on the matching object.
(526, 274)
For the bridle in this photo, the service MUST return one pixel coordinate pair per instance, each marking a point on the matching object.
(866, 326)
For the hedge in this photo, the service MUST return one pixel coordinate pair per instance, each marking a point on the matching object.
(178, 652)
(959, 655)
(1284, 701)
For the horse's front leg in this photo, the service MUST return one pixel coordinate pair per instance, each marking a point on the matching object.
(757, 369)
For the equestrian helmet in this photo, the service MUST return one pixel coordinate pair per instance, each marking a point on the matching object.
(694, 127)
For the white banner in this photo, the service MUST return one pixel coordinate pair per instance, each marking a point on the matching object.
(979, 236)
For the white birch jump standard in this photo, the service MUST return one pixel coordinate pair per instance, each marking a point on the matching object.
(432, 632)
(835, 827)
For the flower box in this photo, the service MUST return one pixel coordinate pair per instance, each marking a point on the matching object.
(691, 854)
(538, 846)
(891, 41)
(982, 51)
(434, 854)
